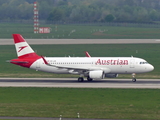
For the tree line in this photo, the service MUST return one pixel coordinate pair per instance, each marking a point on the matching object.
(83, 10)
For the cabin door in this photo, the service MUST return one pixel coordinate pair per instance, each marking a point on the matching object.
(132, 62)
(37, 64)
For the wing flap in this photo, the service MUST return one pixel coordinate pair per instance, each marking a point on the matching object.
(68, 67)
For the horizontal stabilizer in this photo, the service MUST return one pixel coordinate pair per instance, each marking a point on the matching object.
(16, 61)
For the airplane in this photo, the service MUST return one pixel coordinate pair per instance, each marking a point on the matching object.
(91, 67)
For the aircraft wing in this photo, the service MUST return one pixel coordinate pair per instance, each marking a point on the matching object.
(75, 68)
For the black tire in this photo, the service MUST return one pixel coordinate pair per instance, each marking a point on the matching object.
(134, 80)
(89, 79)
(80, 79)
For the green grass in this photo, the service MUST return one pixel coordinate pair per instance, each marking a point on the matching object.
(90, 103)
(81, 31)
(149, 52)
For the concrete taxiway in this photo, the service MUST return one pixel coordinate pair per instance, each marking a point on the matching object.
(82, 41)
(73, 83)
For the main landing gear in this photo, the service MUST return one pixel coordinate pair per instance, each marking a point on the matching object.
(81, 79)
(133, 77)
(89, 79)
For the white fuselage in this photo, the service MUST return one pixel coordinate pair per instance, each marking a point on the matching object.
(77, 65)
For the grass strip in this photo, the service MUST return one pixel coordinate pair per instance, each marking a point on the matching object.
(90, 103)
(80, 31)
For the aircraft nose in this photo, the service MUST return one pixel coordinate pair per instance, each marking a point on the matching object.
(151, 67)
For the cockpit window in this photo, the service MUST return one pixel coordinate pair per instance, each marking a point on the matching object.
(143, 62)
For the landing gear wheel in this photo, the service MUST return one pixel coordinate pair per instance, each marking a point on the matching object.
(133, 77)
(89, 79)
(80, 79)
(134, 80)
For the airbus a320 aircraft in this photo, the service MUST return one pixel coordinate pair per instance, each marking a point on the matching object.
(90, 67)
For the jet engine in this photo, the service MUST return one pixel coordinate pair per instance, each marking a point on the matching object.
(111, 75)
(97, 74)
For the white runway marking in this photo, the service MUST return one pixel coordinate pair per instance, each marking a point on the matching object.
(73, 83)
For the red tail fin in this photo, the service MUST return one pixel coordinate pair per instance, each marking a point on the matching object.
(26, 56)
(22, 48)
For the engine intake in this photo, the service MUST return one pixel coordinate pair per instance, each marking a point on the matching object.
(98, 74)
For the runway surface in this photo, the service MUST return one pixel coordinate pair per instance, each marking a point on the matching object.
(82, 41)
(73, 83)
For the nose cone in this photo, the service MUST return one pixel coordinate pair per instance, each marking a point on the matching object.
(150, 67)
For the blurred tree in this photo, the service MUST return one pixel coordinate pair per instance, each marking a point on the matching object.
(154, 15)
(27, 9)
(76, 14)
(83, 10)
(55, 15)
(109, 18)
(30, 1)
(44, 9)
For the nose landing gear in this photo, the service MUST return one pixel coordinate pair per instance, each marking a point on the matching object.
(133, 77)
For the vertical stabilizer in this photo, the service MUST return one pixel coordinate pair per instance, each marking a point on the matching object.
(22, 48)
